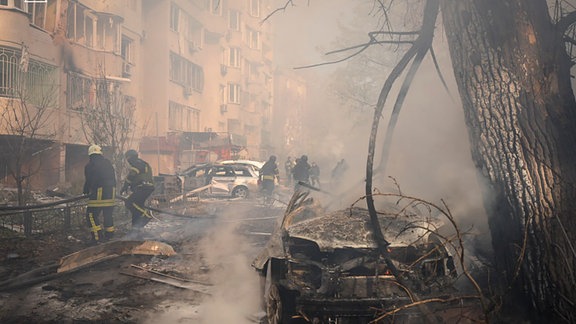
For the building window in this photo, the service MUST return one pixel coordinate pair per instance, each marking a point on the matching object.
(195, 33)
(9, 72)
(254, 39)
(79, 92)
(41, 84)
(234, 20)
(252, 70)
(234, 93)
(89, 29)
(255, 8)
(83, 92)
(222, 93)
(106, 34)
(216, 7)
(183, 118)
(19, 4)
(186, 73)
(24, 78)
(126, 49)
(94, 30)
(234, 57)
(174, 17)
(37, 13)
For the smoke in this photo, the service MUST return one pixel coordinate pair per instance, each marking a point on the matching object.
(236, 295)
(430, 154)
(222, 258)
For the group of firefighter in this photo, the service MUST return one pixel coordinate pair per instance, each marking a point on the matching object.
(299, 172)
(100, 187)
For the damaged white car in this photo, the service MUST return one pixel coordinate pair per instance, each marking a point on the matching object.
(325, 267)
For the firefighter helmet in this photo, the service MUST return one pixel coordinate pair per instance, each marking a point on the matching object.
(94, 149)
(131, 154)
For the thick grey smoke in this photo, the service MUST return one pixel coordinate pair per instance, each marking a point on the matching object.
(430, 153)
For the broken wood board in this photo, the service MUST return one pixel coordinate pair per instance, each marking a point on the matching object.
(99, 253)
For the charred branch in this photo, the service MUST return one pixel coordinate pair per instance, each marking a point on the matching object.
(420, 47)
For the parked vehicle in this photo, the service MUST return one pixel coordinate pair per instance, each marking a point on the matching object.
(234, 180)
(326, 266)
(257, 165)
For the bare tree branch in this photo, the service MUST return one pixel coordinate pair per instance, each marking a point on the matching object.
(283, 8)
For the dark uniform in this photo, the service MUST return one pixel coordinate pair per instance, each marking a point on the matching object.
(301, 171)
(141, 183)
(268, 174)
(100, 186)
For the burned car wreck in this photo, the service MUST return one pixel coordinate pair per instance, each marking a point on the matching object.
(325, 267)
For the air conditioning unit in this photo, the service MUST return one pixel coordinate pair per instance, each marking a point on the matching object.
(126, 69)
(223, 108)
(223, 69)
(187, 91)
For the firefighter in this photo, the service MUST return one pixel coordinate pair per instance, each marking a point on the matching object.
(140, 181)
(301, 172)
(100, 186)
(315, 175)
(268, 174)
(288, 166)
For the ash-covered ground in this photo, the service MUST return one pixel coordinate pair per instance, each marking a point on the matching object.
(208, 280)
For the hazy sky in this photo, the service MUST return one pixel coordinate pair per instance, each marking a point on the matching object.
(305, 28)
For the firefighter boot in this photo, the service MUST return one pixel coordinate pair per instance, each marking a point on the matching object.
(96, 237)
(109, 234)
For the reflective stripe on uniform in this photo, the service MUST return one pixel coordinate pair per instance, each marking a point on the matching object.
(142, 210)
(93, 227)
(101, 203)
(268, 177)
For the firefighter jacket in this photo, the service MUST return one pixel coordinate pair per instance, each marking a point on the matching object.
(301, 171)
(100, 183)
(140, 174)
(268, 171)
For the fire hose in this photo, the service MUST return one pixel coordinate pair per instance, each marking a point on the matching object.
(78, 198)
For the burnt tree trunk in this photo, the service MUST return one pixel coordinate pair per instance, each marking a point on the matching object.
(513, 77)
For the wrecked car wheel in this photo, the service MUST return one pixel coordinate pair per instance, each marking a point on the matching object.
(279, 306)
(240, 192)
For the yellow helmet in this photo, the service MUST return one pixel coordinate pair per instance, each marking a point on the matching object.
(94, 149)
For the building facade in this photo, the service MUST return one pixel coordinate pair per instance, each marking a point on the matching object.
(118, 71)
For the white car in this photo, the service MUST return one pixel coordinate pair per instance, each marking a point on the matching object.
(236, 180)
(257, 165)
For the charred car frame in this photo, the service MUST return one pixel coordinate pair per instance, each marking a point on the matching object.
(325, 267)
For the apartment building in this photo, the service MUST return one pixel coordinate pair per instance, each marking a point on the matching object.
(168, 67)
